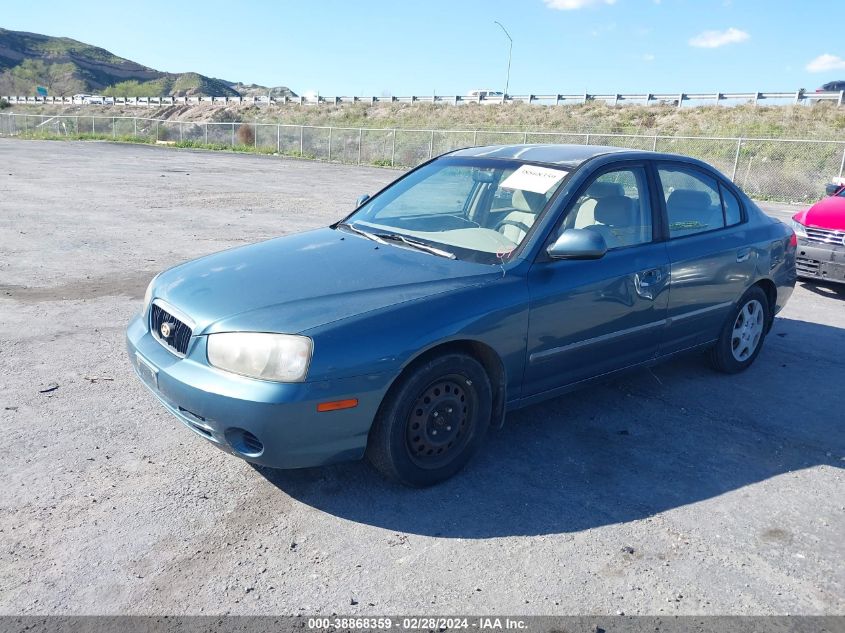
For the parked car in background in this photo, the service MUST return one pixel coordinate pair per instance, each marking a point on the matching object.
(832, 86)
(486, 95)
(482, 281)
(821, 237)
(94, 100)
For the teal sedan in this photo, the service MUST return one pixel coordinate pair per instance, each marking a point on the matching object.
(485, 280)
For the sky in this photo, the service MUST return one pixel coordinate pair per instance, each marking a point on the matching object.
(404, 47)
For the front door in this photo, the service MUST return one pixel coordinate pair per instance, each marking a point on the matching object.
(592, 317)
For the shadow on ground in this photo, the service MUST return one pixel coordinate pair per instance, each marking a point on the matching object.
(832, 290)
(647, 442)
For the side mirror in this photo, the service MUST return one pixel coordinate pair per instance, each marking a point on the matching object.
(361, 200)
(578, 244)
(831, 189)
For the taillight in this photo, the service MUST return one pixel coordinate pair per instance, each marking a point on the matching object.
(793, 240)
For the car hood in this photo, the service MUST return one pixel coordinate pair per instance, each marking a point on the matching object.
(828, 213)
(298, 282)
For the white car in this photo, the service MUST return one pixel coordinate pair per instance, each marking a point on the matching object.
(494, 96)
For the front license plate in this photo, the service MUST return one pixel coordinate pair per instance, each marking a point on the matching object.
(148, 373)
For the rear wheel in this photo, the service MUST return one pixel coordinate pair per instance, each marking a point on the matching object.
(743, 334)
(432, 421)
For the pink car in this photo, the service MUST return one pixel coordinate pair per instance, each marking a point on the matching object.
(821, 238)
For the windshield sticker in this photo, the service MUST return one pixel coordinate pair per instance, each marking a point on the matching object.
(532, 178)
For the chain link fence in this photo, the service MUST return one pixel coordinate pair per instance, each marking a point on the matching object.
(773, 169)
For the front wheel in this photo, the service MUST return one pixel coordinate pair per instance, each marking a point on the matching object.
(432, 421)
(743, 334)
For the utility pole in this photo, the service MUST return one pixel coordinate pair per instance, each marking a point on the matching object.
(510, 50)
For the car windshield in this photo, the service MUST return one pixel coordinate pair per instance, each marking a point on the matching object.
(472, 208)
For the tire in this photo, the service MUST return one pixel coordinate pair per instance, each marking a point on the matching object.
(743, 334)
(432, 421)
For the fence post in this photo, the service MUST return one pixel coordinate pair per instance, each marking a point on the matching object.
(525, 138)
(360, 139)
(181, 137)
(475, 138)
(233, 135)
(587, 140)
(206, 133)
(301, 141)
(278, 139)
(255, 135)
(842, 164)
(113, 126)
(736, 159)
(93, 130)
(156, 130)
(135, 125)
(330, 143)
(654, 144)
(393, 150)
(431, 146)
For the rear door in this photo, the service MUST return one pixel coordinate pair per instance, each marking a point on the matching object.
(591, 317)
(712, 261)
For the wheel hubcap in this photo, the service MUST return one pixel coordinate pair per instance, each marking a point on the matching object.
(440, 422)
(748, 329)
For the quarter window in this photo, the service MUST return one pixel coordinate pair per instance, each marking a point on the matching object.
(693, 203)
(733, 213)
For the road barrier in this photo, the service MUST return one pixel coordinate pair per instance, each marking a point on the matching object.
(647, 98)
(791, 170)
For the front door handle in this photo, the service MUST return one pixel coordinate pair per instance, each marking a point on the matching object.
(648, 278)
(645, 280)
(743, 254)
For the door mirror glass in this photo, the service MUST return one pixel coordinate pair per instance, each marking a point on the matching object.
(830, 189)
(578, 244)
(361, 200)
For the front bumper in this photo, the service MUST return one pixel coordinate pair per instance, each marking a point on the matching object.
(267, 423)
(815, 261)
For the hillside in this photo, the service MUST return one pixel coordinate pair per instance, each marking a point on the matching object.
(65, 67)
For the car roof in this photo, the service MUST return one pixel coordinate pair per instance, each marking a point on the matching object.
(566, 155)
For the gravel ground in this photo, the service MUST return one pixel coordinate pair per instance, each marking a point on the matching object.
(668, 491)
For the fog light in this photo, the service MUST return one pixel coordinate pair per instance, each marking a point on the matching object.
(244, 442)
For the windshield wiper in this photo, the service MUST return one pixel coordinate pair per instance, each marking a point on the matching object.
(417, 244)
(369, 236)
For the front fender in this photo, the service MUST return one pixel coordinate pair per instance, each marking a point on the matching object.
(385, 341)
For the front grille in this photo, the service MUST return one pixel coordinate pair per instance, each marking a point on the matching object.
(825, 236)
(805, 266)
(179, 334)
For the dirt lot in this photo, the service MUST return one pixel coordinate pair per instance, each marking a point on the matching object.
(673, 491)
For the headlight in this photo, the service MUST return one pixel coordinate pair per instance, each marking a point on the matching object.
(148, 295)
(800, 229)
(279, 357)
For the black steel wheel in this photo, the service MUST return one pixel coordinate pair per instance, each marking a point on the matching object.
(432, 421)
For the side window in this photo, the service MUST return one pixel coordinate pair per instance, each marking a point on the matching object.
(615, 204)
(733, 212)
(693, 203)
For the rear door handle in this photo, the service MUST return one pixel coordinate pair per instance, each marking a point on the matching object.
(743, 254)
